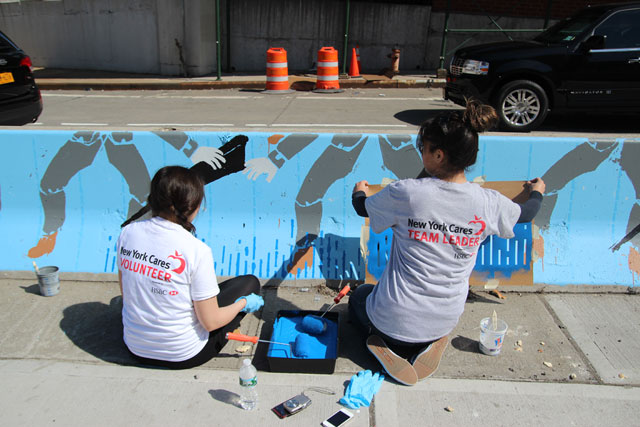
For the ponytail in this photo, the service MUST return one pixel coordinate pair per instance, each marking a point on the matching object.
(176, 192)
(479, 117)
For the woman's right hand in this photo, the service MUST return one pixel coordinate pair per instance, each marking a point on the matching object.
(361, 186)
(254, 303)
(536, 184)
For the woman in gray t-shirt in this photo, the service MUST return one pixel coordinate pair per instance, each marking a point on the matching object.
(438, 223)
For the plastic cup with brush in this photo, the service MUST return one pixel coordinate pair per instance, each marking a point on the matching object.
(492, 332)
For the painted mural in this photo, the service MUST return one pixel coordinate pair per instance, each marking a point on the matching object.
(279, 205)
(499, 261)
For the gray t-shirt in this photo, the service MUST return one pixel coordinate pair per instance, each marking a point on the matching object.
(437, 229)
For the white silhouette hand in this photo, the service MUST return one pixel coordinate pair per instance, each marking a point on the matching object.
(210, 155)
(256, 167)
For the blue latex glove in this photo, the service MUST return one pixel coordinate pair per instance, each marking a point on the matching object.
(254, 303)
(361, 389)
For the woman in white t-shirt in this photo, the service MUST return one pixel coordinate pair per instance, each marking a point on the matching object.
(439, 221)
(175, 313)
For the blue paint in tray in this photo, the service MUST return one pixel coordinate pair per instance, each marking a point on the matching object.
(286, 329)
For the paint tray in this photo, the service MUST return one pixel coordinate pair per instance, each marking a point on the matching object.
(324, 353)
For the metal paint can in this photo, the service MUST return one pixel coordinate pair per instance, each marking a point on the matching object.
(48, 281)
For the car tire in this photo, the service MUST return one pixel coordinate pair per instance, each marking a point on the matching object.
(522, 106)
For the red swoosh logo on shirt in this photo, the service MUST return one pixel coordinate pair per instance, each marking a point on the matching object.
(178, 256)
(478, 220)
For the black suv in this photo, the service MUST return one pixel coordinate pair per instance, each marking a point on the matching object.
(20, 100)
(587, 62)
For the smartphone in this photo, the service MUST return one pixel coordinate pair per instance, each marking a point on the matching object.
(340, 418)
(280, 411)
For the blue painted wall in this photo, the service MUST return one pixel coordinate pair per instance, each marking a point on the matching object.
(64, 194)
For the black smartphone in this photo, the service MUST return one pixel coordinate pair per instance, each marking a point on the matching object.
(280, 411)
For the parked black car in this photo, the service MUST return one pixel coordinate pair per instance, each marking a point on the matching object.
(587, 62)
(20, 100)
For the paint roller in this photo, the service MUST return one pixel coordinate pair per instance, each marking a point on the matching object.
(301, 348)
(313, 324)
(316, 325)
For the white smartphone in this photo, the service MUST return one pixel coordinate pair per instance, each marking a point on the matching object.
(340, 418)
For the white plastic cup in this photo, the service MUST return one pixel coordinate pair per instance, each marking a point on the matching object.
(48, 281)
(491, 337)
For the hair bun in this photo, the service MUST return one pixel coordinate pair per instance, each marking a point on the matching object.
(479, 117)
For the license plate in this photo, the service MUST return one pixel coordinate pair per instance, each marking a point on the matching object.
(6, 78)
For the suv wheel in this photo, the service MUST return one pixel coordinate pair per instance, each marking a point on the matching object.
(522, 105)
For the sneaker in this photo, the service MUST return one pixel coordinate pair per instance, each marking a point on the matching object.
(397, 367)
(426, 363)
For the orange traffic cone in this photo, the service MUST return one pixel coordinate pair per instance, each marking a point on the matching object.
(354, 68)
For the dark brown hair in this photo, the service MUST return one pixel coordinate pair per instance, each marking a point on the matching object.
(456, 133)
(176, 192)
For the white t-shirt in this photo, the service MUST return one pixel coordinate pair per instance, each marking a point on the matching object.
(164, 269)
(437, 229)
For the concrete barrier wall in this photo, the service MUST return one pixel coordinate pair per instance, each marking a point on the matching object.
(288, 216)
(173, 37)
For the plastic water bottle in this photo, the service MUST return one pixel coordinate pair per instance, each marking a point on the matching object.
(248, 385)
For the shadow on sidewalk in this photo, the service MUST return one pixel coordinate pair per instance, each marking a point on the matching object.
(468, 345)
(33, 289)
(96, 328)
(226, 396)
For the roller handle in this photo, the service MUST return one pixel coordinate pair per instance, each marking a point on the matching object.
(342, 293)
(241, 337)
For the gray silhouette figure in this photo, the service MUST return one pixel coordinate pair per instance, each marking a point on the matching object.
(586, 158)
(80, 151)
(337, 161)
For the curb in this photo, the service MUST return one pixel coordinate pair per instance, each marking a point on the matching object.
(537, 288)
(141, 84)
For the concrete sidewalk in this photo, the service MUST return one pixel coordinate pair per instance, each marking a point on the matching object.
(68, 79)
(569, 358)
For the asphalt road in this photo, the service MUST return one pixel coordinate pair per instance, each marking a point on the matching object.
(353, 110)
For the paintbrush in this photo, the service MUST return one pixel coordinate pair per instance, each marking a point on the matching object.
(337, 299)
